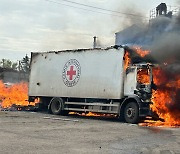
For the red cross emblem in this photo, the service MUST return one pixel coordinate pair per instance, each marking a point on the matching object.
(71, 72)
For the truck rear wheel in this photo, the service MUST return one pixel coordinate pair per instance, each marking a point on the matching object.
(56, 106)
(131, 113)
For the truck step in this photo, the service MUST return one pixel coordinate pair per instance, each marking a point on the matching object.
(92, 104)
(90, 110)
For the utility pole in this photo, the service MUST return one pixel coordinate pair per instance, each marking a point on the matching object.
(95, 42)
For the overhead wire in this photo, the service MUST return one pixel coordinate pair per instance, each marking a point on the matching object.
(79, 7)
(95, 11)
(94, 7)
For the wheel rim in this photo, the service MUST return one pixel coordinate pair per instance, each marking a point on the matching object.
(56, 106)
(130, 113)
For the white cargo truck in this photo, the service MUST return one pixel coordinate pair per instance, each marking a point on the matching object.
(90, 80)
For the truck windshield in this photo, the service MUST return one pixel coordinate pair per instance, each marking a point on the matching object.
(143, 76)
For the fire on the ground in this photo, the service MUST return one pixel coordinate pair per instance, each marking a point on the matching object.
(14, 94)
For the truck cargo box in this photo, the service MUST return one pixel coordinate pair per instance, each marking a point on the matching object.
(89, 73)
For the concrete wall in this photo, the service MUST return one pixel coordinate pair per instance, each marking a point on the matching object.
(13, 76)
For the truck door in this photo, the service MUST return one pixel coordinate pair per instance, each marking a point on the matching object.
(130, 81)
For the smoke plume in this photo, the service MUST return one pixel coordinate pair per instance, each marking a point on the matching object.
(162, 38)
(166, 47)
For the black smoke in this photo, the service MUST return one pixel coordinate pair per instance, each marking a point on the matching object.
(165, 47)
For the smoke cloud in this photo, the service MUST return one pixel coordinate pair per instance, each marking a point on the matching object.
(128, 19)
(166, 47)
(162, 38)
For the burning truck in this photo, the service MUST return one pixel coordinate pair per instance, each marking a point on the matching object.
(118, 80)
(92, 80)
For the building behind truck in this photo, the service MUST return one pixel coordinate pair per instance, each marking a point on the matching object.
(160, 22)
(90, 80)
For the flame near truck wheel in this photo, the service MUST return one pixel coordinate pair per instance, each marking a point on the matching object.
(91, 80)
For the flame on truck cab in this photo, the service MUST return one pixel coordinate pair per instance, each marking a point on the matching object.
(140, 78)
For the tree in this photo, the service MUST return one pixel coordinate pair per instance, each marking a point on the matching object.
(8, 64)
(14, 66)
(25, 63)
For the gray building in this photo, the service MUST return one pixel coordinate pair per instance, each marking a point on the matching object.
(129, 35)
(11, 76)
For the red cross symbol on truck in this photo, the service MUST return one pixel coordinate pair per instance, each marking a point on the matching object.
(71, 72)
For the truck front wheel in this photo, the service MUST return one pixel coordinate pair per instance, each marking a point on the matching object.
(56, 106)
(131, 113)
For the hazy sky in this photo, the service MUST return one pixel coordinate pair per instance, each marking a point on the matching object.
(43, 25)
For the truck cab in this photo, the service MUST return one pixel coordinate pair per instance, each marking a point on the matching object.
(139, 81)
(138, 85)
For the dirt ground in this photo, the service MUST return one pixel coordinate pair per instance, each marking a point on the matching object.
(41, 133)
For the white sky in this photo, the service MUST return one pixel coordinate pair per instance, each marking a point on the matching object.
(40, 25)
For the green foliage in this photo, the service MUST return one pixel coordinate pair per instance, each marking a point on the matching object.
(6, 63)
(25, 63)
(14, 66)
(22, 65)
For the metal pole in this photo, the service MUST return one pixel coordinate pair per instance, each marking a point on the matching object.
(95, 42)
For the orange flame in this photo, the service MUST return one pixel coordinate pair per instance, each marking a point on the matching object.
(91, 114)
(165, 98)
(14, 95)
(143, 76)
(127, 60)
(140, 51)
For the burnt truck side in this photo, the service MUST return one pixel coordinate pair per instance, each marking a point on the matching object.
(90, 80)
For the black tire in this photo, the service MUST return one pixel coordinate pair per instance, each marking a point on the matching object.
(131, 113)
(56, 106)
